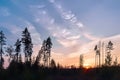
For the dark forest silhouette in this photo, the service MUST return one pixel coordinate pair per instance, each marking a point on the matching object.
(43, 67)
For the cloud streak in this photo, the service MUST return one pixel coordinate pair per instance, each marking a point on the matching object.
(71, 18)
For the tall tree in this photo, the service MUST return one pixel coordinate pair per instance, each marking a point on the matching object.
(45, 52)
(48, 49)
(97, 55)
(108, 59)
(2, 42)
(27, 41)
(17, 49)
(81, 61)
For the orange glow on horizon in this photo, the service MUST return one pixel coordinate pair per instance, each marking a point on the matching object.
(87, 66)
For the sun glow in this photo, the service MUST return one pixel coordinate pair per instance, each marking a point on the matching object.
(87, 66)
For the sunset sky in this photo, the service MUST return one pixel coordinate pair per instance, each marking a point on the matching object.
(75, 26)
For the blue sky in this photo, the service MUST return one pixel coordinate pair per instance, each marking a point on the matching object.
(70, 23)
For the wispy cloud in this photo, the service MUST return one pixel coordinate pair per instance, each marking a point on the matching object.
(72, 19)
(64, 36)
(68, 15)
(69, 38)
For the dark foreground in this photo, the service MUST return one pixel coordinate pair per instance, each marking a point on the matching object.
(25, 72)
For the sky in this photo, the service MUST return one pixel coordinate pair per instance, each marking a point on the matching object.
(75, 26)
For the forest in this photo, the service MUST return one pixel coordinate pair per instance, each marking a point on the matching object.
(42, 67)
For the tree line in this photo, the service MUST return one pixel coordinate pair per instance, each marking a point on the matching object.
(42, 67)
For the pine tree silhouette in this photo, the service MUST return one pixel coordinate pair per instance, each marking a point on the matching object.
(108, 59)
(45, 53)
(81, 61)
(53, 64)
(48, 47)
(27, 41)
(2, 42)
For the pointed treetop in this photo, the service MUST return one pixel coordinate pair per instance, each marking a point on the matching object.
(26, 30)
(95, 47)
(49, 40)
(110, 45)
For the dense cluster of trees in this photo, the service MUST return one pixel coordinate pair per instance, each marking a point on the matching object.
(25, 44)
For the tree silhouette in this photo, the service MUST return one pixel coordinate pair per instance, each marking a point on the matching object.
(81, 61)
(97, 55)
(2, 42)
(53, 64)
(48, 47)
(45, 52)
(17, 49)
(27, 41)
(108, 59)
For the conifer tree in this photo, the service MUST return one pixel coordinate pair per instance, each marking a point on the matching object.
(27, 42)
(48, 50)
(53, 64)
(81, 60)
(108, 59)
(45, 52)
(2, 42)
